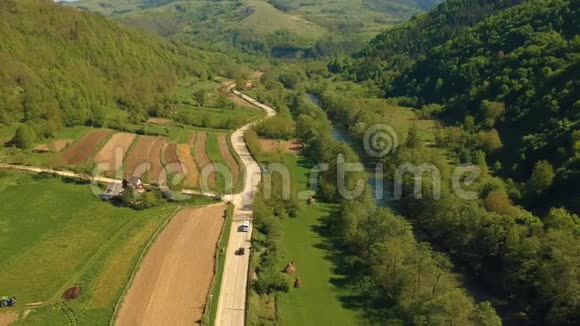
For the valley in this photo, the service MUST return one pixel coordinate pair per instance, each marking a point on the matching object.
(289, 162)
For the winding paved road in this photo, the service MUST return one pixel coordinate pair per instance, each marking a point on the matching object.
(232, 299)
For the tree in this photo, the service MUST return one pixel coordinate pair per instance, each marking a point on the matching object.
(200, 97)
(492, 112)
(485, 315)
(469, 123)
(499, 202)
(413, 137)
(490, 141)
(576, 141)
(24, 137)
(560, 218)
(542, 177)
(129, 197)
(150, 199)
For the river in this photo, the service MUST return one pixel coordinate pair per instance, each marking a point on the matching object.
(384, 199)
(379, 191)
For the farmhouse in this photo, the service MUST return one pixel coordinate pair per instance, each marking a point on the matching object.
(113, 191)
(133, 182)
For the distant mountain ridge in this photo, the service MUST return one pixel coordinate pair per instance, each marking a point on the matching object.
(278, 27)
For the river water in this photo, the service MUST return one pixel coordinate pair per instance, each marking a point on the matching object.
(379, 191)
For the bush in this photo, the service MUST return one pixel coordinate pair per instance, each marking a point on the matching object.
(279, 127)
(24, 137)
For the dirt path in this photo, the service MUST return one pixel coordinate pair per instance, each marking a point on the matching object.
(7, 318)
(202, 157)
(229, 158)
(174, 279)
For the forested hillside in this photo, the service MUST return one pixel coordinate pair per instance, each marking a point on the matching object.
(63, 67)
(278, 28)
(502, 78)
(512, 71)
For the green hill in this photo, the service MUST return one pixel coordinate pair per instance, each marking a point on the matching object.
(522, 59)
(64, 67)
(272, 27)
(503, 77)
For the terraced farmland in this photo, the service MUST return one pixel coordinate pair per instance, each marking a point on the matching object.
(82, 151)
(203, 160)
(112, 155)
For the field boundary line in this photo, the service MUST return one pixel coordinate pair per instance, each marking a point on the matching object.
(224, 237)
(241, 166)
(137, 264)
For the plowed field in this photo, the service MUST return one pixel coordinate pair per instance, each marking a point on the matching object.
(173, 281)
(82, 150)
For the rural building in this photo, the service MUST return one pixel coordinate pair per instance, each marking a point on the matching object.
(113, 191)
(133, 182)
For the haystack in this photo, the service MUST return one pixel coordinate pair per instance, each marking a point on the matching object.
(290, 268)
(72, 293)
(298, 283)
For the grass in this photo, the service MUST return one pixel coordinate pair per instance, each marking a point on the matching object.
(312, 19)
(215, 156)
(266, 19)
(210, 312)
(304, 241)
(321, 299)
(51, 239)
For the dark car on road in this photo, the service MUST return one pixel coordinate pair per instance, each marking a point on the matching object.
(241, 252)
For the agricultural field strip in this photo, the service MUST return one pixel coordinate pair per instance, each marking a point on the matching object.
(139, 155)
(166, 259)
(202, 157)
(232, 163)
(135, 268)
(83, 149)
(189, 165)
(155, 155)
(119, 143)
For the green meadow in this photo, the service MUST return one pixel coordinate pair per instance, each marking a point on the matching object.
(56, 234)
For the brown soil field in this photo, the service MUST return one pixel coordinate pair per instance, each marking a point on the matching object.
(82, 150)
(7, 318)
(115, 150)
(160, 121)
(230, 160)
(272, 145)
(201, 156)
(191, 171)
(139, 154)
(172, 159)
(171, 154)
(174, 278)
(155, 152)
(55, 147)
